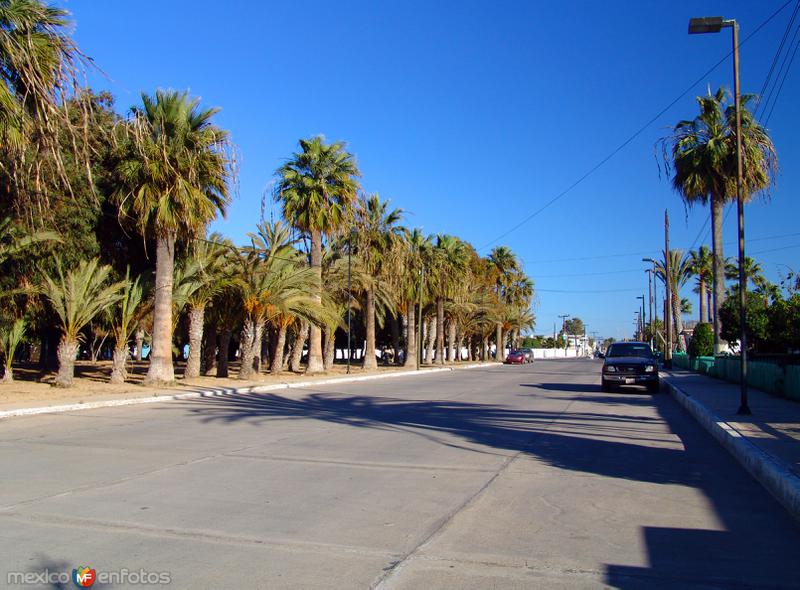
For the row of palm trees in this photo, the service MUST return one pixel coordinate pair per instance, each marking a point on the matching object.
(172, 178)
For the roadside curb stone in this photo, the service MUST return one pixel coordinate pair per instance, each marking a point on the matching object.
(771, 473)
(219, 391)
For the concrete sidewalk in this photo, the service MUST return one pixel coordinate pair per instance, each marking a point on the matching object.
(767, 443)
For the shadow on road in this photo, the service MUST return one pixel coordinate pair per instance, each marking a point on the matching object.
(623, 444)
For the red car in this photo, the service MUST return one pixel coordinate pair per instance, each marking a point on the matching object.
(515, 357)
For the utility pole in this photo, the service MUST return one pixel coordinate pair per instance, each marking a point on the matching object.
(349, 295)
(650, 301)
(419, 319)
(668, 305)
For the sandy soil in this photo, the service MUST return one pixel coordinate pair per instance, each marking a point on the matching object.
(33, 388)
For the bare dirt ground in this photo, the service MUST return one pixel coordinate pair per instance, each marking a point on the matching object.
(33, 387)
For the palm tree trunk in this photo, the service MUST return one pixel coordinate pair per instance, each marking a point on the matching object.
(452, 342)
(277, 354)
(329, 347)
(196, 318)
(161, 369)
(209, 348)
(222, 354)
(440, 330)
(370, 362)
(296, 357)
(246, 349)
(677, 320)
(8, 374)
(315, 339)
(500, 355)
(118, 370)
(139, 339)
(66, 352)
(395, 327)
(430, 334)
(411, 338)
(256, 352)
(703, 311)
(717, 206)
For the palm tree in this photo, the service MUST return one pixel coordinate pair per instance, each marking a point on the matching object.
(752, 270)
(317, 188)
(10, 338)
(210, 258)
(377, 230)
(77, 298)
(701, 263)
(39, 61)
(416, 247)
(271, 241)
(124, 318)
(274, 287)
(173, 176)
(680, 269)
(505, 263)
(449, 267)
(703, 153)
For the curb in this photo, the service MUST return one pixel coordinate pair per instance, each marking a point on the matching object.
(781, 482)
(214, 392)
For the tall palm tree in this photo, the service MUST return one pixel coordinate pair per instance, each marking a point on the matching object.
(317, 188)
(703, 153)
(417, 247)
(173, 179)
(450, 265)
(377, 228)
(505, 264)
(77, 297)
(701, 263)
(680, 269)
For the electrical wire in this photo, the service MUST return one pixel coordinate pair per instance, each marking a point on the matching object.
(785, 75)
(761, 102)
(636, 134)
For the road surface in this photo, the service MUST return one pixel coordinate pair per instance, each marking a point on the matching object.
(508, 477)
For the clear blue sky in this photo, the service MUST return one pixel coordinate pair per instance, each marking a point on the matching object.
(471, 116)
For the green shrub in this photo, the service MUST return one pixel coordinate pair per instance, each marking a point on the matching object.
(702, 343)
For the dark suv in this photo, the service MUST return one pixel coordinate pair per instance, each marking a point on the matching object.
(630, 363)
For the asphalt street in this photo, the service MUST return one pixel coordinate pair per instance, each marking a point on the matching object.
(497, 477)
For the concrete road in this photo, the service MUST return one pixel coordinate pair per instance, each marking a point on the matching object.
(502, 477)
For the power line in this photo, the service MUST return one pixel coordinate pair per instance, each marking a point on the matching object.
(761, 102)
(636, 134)
(785, 75)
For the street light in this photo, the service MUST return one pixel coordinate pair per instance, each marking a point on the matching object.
(714, 24)
(651, 275)
(349, 293)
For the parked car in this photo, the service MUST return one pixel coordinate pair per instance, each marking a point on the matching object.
(528, 352)
(630, 363)
(515, 357)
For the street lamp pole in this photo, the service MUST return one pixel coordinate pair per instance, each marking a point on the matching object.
(349, 296)
(419, 319)
(643, 317)
(713, 25)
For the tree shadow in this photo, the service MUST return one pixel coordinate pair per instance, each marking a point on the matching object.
(617, 445)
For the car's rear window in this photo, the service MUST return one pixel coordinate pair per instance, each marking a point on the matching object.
(629, 349)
